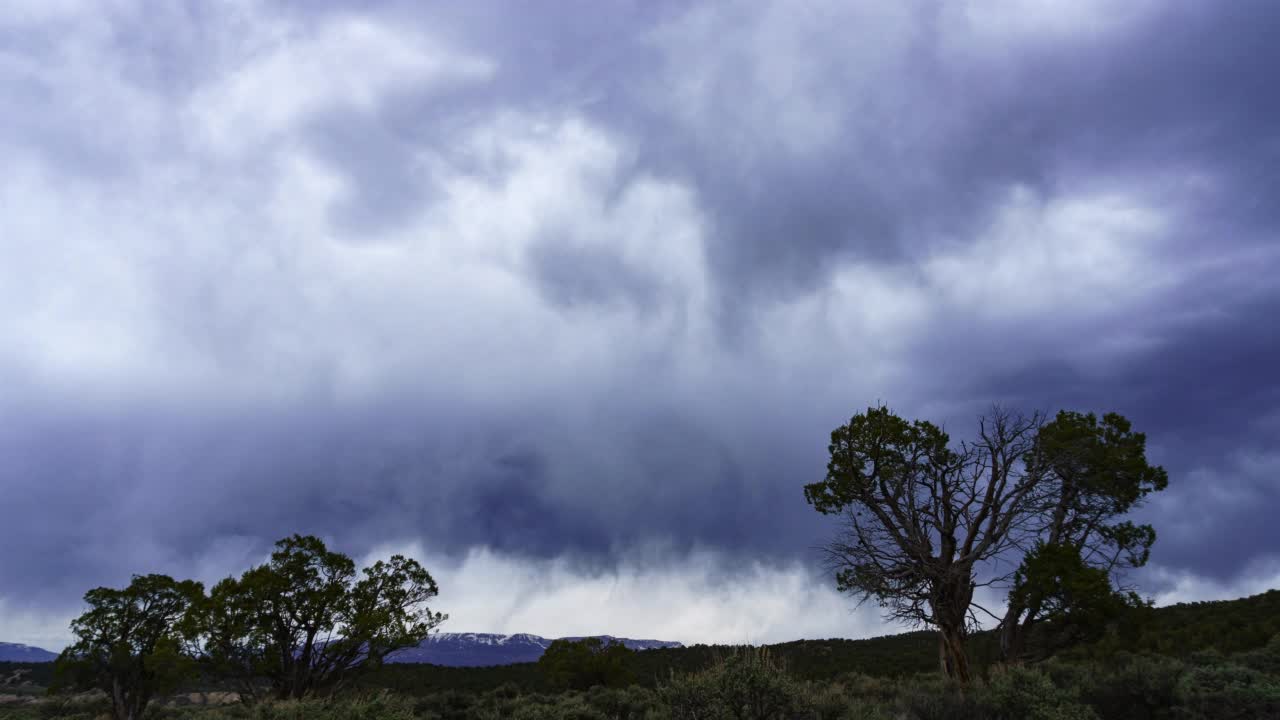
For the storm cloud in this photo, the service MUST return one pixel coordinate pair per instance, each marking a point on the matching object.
(575, 293)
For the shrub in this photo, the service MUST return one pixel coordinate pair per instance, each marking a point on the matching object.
(747, 685)
(632, 703)
(1020, 693)
(1226, 692)
(933, 697)
(565, 707)
(1139, 687)
(1265, 660)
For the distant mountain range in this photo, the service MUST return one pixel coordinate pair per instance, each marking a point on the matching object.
(448, 649)
(14, 652)
(481, 649)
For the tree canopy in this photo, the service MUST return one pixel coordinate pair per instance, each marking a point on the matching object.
(305, 621)
(1092, 472)
(130, 642)
(582, 664)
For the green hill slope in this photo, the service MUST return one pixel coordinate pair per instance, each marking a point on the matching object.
(1228, 626)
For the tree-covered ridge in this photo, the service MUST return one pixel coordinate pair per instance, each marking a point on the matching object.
(1225, 627)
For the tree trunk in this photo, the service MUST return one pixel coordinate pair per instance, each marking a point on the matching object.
(1011, 634)
(1015, 628)
(118, 706)
(951, 654)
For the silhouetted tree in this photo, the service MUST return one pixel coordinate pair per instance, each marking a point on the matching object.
(130, 643)
(1092, 472)
(304, 623)
(926, 523)
(919, 516)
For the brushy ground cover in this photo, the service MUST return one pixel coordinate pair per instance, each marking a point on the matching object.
(754, 685)
(1200, 661)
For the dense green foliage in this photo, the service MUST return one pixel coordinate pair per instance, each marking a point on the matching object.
(130, 643)
(585, 663)
(1225, 626)
(1092, 472)
(304, 622)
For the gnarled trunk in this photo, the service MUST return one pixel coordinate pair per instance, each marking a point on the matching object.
(127, 703)
(951, 606)
(952, 656)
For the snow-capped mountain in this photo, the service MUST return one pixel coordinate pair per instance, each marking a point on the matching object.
(634, 644)
(15, 652)
(479, 649)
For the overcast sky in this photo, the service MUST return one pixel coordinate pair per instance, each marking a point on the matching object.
(564, 298)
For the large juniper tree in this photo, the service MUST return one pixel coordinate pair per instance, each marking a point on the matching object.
(305, 621)
(1029, 506)
(920, 516)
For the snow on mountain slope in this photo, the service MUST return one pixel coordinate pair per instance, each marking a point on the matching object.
(480, 649)
(16, 652)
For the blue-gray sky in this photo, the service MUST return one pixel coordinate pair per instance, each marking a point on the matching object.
(566, 297)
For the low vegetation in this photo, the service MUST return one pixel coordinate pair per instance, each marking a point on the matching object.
(1159, 667)
(754, 684)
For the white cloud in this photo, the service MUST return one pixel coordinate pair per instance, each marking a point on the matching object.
(702, 597)
(30, 627)
(292, 72)
(1184, 586)
(1079, 253)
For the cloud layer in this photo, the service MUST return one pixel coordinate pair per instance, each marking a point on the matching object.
(536, 290)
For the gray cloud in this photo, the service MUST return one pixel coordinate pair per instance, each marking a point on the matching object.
(562, 285)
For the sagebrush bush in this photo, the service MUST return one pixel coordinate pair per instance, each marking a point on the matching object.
(746, 685)
(1227, 691)
(1021, 693)
(934, 697)
(1133, 687)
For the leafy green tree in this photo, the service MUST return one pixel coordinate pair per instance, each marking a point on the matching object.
(585, 663)
(1091, 472)
(304, 622)
(919, 516)
(130, 643)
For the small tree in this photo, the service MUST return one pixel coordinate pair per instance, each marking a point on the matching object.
(585, 663)
(130, 643)
(304, 623)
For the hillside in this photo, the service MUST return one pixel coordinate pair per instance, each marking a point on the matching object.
(1227, 627)
(16, 652)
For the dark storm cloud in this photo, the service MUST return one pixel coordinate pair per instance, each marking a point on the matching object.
(828, 156)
